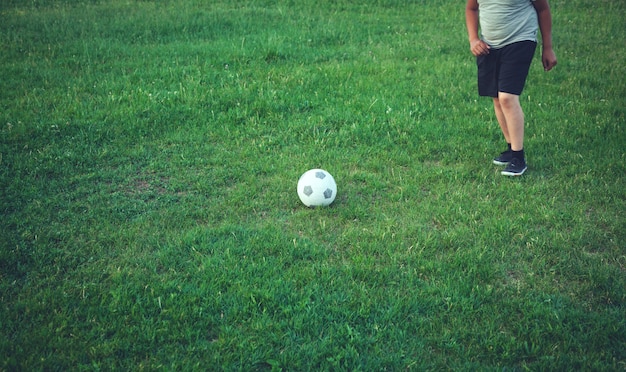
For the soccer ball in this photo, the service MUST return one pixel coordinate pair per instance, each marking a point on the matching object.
(317, 188)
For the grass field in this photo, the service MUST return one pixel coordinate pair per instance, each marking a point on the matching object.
(150, 150)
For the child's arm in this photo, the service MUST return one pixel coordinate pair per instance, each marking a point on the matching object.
(548, 57)
(477, 46)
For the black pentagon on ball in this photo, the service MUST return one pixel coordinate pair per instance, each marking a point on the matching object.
(308, 190)
(320, 175)
(328, 194)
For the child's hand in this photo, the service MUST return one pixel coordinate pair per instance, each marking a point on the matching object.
(479, 47)
(548, 58)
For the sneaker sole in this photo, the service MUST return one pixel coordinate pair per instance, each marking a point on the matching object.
(513, 174)
(498, 162)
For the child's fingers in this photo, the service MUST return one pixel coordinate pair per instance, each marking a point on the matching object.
(479, 48)
(549, 60)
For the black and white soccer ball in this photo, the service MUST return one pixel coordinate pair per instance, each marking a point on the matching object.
(317, 188)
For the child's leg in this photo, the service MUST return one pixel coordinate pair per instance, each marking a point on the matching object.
(501, 119)
(508, 107)
(515, 60)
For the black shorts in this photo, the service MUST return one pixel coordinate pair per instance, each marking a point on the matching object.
(505, 69)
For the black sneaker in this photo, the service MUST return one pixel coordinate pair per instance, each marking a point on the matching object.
(516, 167)
(504, 158)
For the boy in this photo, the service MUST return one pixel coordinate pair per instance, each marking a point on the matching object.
(503, 53)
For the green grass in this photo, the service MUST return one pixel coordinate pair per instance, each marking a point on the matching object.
(149, 153)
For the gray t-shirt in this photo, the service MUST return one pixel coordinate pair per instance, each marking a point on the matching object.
(503, 22)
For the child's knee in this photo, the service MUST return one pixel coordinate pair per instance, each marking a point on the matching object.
(507, 100)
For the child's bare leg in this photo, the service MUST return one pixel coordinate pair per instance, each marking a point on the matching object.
(513, 115)
(501, 119)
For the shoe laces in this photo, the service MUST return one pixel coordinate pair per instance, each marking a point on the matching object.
(516, 162)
